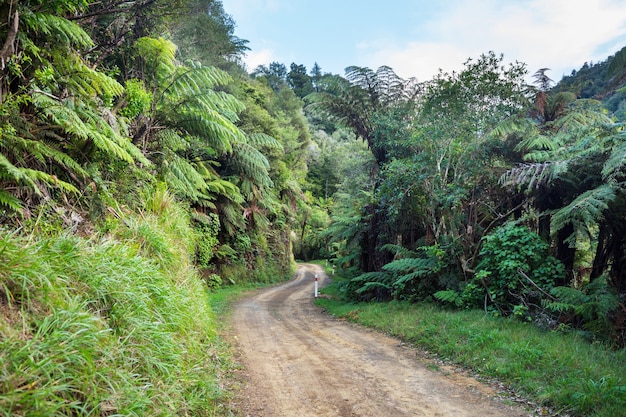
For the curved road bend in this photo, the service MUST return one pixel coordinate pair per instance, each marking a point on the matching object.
(300, 362)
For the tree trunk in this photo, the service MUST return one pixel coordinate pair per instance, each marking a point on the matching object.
(565, 253)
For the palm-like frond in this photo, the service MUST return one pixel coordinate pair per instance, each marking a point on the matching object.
(586, 210)
(615, 164)
(532, 175)
(84, 124)
(263, 141)
(250, 164)
(64, 31)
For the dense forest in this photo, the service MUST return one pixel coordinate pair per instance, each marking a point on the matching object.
(133, 138)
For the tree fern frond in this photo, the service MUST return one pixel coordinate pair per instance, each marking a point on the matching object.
(232, 218)
(616, 162)
(64, 31)
(10, 171)
(8, 201)
(84, 123)
(261, 140)
(533, 175)
(522, 126)
(250, 163)
(73, 74)
(537, 142)
(582, 113)
(411, 266)
(226, 189)
(399, 250)
(160, 56)
(586, 210)
(51, 180)
(213, 129)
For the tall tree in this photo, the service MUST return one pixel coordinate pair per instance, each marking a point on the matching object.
(357, 102)
(299, 81)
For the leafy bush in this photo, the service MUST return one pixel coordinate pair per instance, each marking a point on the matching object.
(207, 228)
(515, 270)
(213, 281)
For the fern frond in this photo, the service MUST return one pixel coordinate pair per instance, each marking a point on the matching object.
(159, 55)
(64, 31)
(404, 265)
(522, 126)
(81, 80)
(10, 171)
(533, 175)
(372, 285)
(399, 250)
(586, 210)
(537, 142)
(449, 296)
(84, 123)
(261, 140)
(616, 162)
(51, 180)
(8, 201)
(251, 164)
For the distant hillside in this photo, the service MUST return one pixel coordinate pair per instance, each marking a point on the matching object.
(603, 81)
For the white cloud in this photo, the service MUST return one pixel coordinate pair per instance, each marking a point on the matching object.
(558, 34)
(255, 58)
(249, 8)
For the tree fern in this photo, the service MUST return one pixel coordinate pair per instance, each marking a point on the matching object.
(614, 166)
(595, 304)
(530, 176)
(64, 31)
(8, 201)
(586, 210)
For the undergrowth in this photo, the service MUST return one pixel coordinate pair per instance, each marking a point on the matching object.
(118, 324)
(560, 370)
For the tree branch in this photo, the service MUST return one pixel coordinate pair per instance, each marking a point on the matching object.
(8, 48)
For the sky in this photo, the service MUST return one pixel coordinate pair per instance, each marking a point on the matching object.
(418, 37)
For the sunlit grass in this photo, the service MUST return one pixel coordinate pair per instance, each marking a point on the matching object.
(116, 325)
(560, 370)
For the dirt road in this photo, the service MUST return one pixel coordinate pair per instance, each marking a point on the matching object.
(300, 362)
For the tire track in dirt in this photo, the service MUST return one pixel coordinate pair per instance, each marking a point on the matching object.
(298, 361)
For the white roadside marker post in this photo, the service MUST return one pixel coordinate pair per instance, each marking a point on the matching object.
(316, 278)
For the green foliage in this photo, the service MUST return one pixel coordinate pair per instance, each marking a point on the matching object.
(213, 282)
(208, 228)
(95, 327)
(408, 278)
(586, 211)
(137, 98)
(592, 307)
(515, 269)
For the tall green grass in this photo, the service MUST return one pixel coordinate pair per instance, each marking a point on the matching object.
(560, 370)
(118, 324)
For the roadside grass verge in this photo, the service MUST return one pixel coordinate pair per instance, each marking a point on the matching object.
(556, 369)
(118, 324)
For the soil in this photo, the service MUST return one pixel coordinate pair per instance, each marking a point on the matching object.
(299, 361)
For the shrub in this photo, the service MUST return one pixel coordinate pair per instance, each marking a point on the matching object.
(514, 273)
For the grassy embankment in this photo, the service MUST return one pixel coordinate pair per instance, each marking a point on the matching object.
(115, 324)
(560, 370)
